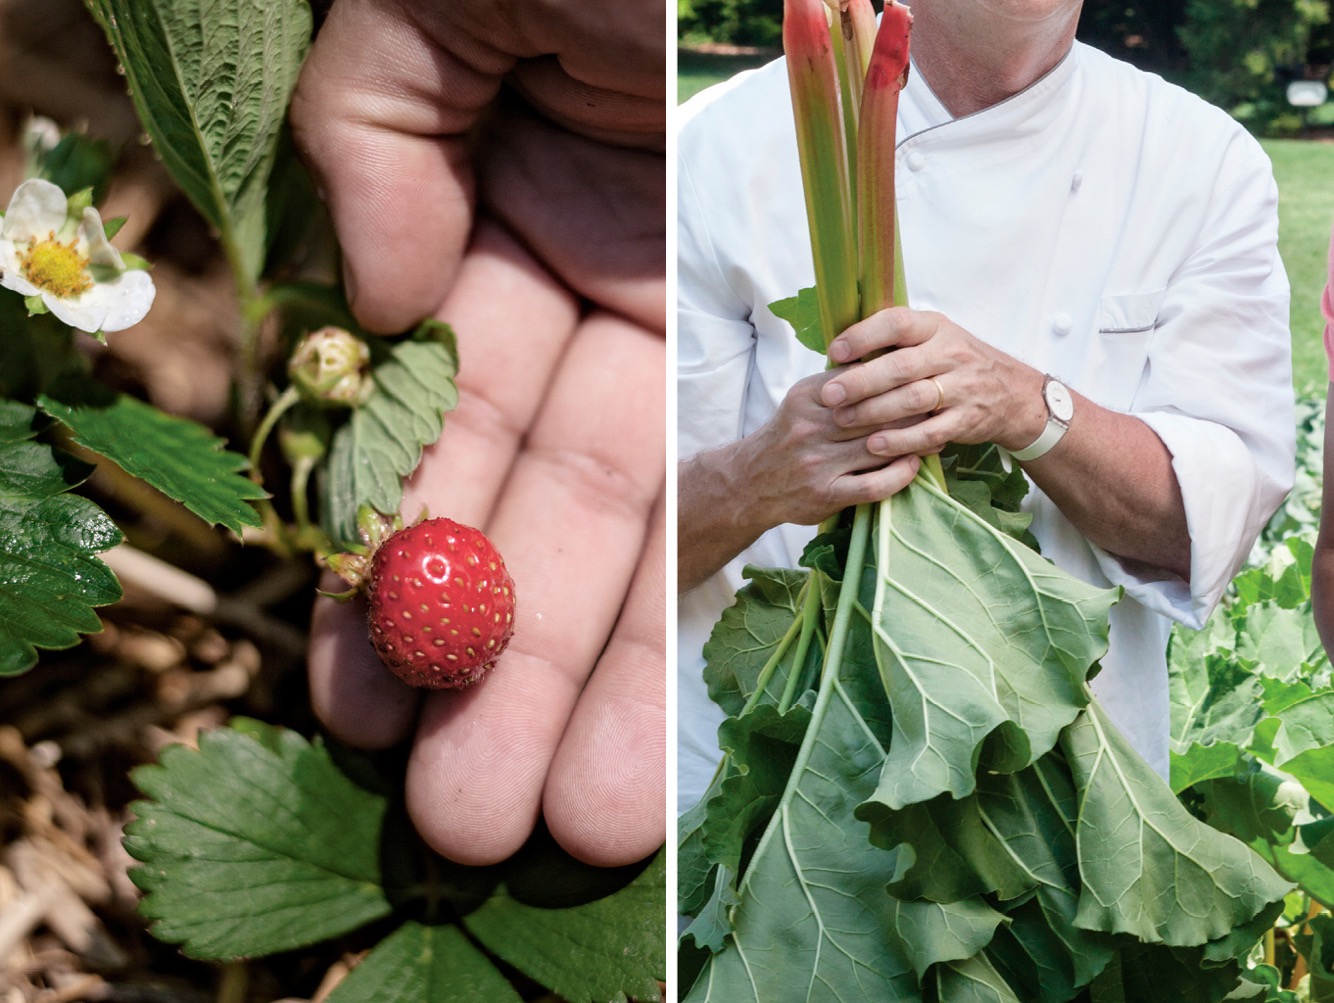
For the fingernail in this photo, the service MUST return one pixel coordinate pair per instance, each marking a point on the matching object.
(839, 351)
(834, 394)
(875, 444)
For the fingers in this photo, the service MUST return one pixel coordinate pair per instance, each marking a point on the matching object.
(357, 698)
(605, 796)
(513, 322)
(503, 306)
(381, 114)
(897, 327)
(592, 213)
(571, 524)
(879, 483)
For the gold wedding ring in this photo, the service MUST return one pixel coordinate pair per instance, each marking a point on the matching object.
(940, 394)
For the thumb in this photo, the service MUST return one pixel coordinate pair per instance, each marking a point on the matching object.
(382, 114)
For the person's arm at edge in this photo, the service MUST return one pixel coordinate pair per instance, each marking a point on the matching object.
(1322, 561)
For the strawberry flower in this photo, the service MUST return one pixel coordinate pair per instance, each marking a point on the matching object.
(65, 261)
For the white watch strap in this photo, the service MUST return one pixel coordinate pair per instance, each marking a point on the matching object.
(1050, 436)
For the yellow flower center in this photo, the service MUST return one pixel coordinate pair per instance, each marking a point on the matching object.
(58, 268)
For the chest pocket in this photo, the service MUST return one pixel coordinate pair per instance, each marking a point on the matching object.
(1120, 352)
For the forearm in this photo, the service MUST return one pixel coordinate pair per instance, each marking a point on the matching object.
(714, 521)
(1322, 587)
(1322, 562)
(1112, 477)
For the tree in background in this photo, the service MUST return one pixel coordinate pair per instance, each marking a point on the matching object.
(1239, 54)
(1145, 34)
(1242, 54)
(738, 22)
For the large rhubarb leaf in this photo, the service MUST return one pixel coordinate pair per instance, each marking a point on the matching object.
(50, 576)
(748, 634)
(1149, 867)
(814, 919)
(979, 641)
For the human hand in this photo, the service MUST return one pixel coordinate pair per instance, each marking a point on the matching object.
(940, 384)
(554, 281)
(805, 464)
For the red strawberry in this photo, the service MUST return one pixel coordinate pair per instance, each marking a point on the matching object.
(441, 604)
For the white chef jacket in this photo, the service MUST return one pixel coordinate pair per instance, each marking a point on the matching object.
(1103, 226)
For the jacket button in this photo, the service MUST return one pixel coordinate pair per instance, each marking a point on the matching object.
(1062, 323)
(916, 161)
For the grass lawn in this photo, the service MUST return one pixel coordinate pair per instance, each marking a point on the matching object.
(696, 70)
(1306, 212)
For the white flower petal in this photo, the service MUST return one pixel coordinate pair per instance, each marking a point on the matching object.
(86, 312)
(37, 208)
(11, 271)
(134, 293)
(94, 238)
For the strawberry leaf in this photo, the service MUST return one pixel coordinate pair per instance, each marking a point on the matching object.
(253, 847)
(589, 934)
(180, 458)
(260, 841)
(421, 964)
(211, 82)
(50, 577)
(382, 442)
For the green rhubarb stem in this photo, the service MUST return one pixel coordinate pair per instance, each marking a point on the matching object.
(809, 617)
(847, 593)
(822, 150)
(793, 632)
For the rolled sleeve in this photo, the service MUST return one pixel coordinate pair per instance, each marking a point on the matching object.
(1217, 387)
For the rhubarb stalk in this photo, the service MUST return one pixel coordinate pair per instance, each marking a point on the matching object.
(821, 147)
(886, 75)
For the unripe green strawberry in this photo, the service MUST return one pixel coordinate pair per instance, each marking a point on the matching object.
(441, 604)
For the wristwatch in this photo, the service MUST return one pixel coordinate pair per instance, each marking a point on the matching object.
(1060, 409)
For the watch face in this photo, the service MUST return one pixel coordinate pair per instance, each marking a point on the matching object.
(1059, 402)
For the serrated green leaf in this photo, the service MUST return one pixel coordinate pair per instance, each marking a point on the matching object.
(747, 634)
(802, 311)
(1306, 716)
(1201, 763)
(211, 80)
(1216, 705)
(382, 442)
(1280, 640)
(1213, 700)
(180, 458)
(50, 576)
(424, 964)
(588, 934)
(1149, 868)
(247, 850)
(762, 747)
